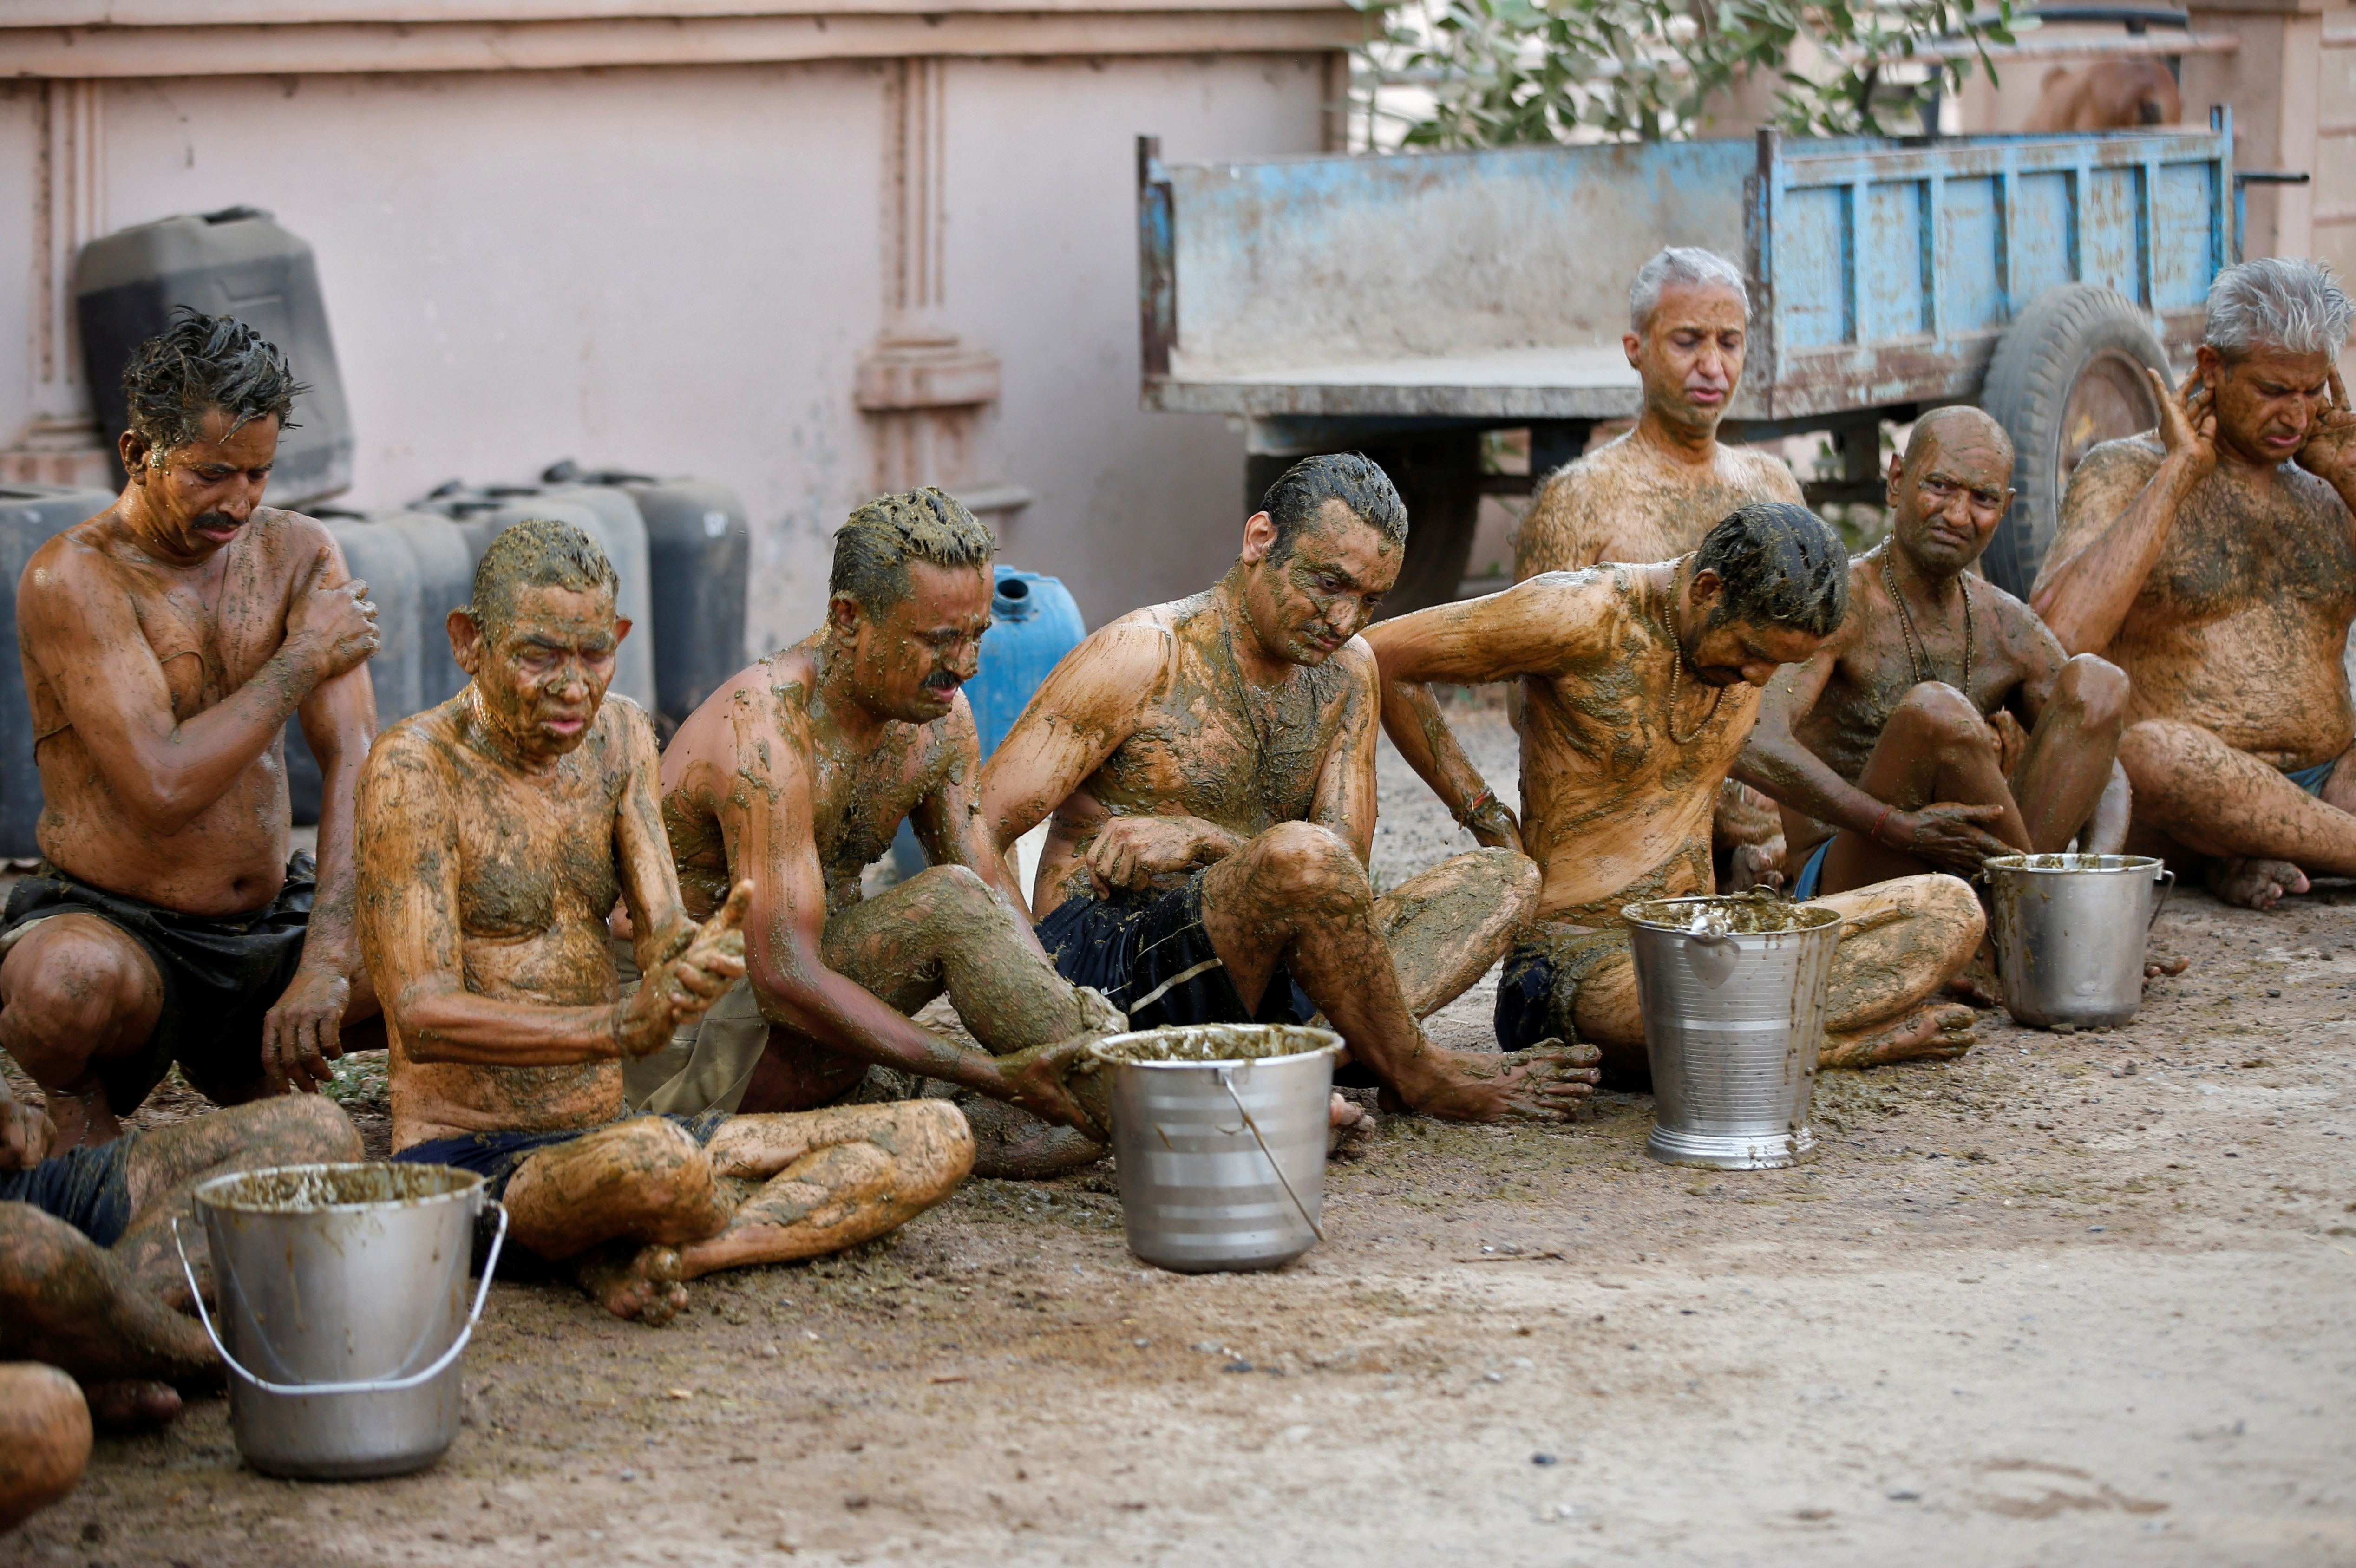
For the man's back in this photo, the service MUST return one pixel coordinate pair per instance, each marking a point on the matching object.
(2240, 626)
(209, 629)
(1625, 502)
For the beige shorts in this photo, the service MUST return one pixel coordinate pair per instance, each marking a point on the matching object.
(707, 1063)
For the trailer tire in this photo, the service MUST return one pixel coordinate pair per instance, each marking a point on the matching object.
(2068, 373)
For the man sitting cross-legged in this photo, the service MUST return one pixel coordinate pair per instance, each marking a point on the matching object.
(796, 775)
(2214, 561)
(1210, 765)
(1652, 493)
(496, 832)
(1898, 748)
(1639, 687)
(165, 641)
(90, 1281)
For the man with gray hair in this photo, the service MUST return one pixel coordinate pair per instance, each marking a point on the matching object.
(2214, 561)
(1651, 494)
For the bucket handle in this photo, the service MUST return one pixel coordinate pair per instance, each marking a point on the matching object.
(1227, 1072)
(393, 1385)
(2167, 881)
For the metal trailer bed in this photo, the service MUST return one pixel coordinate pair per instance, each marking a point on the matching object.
(1403, 305)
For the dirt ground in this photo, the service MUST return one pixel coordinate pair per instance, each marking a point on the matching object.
(2073, 1298)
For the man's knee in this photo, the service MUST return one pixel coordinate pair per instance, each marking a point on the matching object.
(71, 986)
(2097, 687)
(301, 1129)
(1305, 858)
(954, 895)
(1936, 714)
(2154, 751)
(1517, 877)
(45, 1434)
(933, 1149)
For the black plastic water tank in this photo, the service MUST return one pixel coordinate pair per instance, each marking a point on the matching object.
(30, 515)
(238, 263)
(381, 557)
(445, 581)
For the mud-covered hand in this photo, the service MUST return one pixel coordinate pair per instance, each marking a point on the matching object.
(2011, 740)
(1494, 826)
(683, 988)
(2330, 450)
(302, 1035)
(2187, 423)
(1129, 852)
(24, 1132)
(1543, 1083)
(1947, 835)
(336, 627)
(1037, 1081)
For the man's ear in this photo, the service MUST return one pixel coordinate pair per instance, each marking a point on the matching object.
(1632, 343)
(132, 447)
(844, 614)
(2209, 365)
(1703, 591)
(621, 630)
(1896, 476)
(465, 641)
(1259, 537)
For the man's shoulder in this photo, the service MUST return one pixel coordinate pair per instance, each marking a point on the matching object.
(1762, 473)
(420, 740)
(2136, 455)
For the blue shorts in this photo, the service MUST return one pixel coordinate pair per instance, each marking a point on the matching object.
(2312, 779)
(1812, 872)
(88, 1189)
(497, 1157)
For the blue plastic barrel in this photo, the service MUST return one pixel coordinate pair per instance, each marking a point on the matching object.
(30, 515)
(1034, 622)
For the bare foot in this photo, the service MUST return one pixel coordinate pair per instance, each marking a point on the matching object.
(1978, 983)
(1755, 866)
(1930, 1033)
(2253, 884)
(131, 1404)
(1350, 1126)
(631, 1281)
(1543, 1083)
(2154, 968)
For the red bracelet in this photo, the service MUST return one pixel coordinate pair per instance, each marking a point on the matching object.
(1874, 832)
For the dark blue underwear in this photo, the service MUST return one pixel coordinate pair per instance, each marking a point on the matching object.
(2312, 779)
(88, 1189)
(1812, 872)
(497, 1157)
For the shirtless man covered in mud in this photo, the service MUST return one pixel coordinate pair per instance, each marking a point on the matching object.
(497, 833)
(165, 643)
(1652, 493)
(2214, 561)
(1210, 766)
(796, 774)
(1639, 687)
(92, 1329)
(1899, 747)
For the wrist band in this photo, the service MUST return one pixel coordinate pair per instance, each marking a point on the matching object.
(1477, 801)
(1874, 832)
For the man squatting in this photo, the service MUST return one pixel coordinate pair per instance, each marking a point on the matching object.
(1651, 493)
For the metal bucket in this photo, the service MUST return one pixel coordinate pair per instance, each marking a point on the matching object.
(1734, 1021)
(2070, 933)
(345, 1286)
(1222, 1162)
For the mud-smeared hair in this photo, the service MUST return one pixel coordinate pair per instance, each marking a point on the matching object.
(873, 548)
(1686, 265)
(1355, 480)
(2277, 302)
(201, 363)
(1782, 565)
(537, 553)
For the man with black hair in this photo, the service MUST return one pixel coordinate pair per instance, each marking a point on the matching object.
(796, 774)
(166, 641)
(1210, 768)
(1639, 687)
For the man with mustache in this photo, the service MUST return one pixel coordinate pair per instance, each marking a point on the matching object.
(1652, 493)
(796, 775)
(1639, 687)
(498, 832)
(165, 641)
(1899, 747)
(1210, 768)
(2213, 561)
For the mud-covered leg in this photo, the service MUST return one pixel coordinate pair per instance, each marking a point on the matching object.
(76, 993)
(2063, 774)
(169, 1163)
(2264, 832)
(72, 1303)
(1446, 925)
(621, 1201)
(818, 1181)
(44, 1440)
(1901, 941)
(943, 929)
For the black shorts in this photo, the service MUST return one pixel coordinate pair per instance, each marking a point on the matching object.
(221, 974)
(1537, 995)
(88, 1189)
(1149, 956)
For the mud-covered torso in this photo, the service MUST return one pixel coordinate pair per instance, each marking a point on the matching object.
(860, 791)
(211, 632)
(2242, 625)
(1625, 502)
(1614, 808)
(537, 876)
(1209, 744)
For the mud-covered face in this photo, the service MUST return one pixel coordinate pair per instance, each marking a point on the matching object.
(908, 663)
(1739, 649)
(200, 493)
(1690, 353)
(1325, 589)
(542, 676)
(1945, 508)
(2268, 401)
